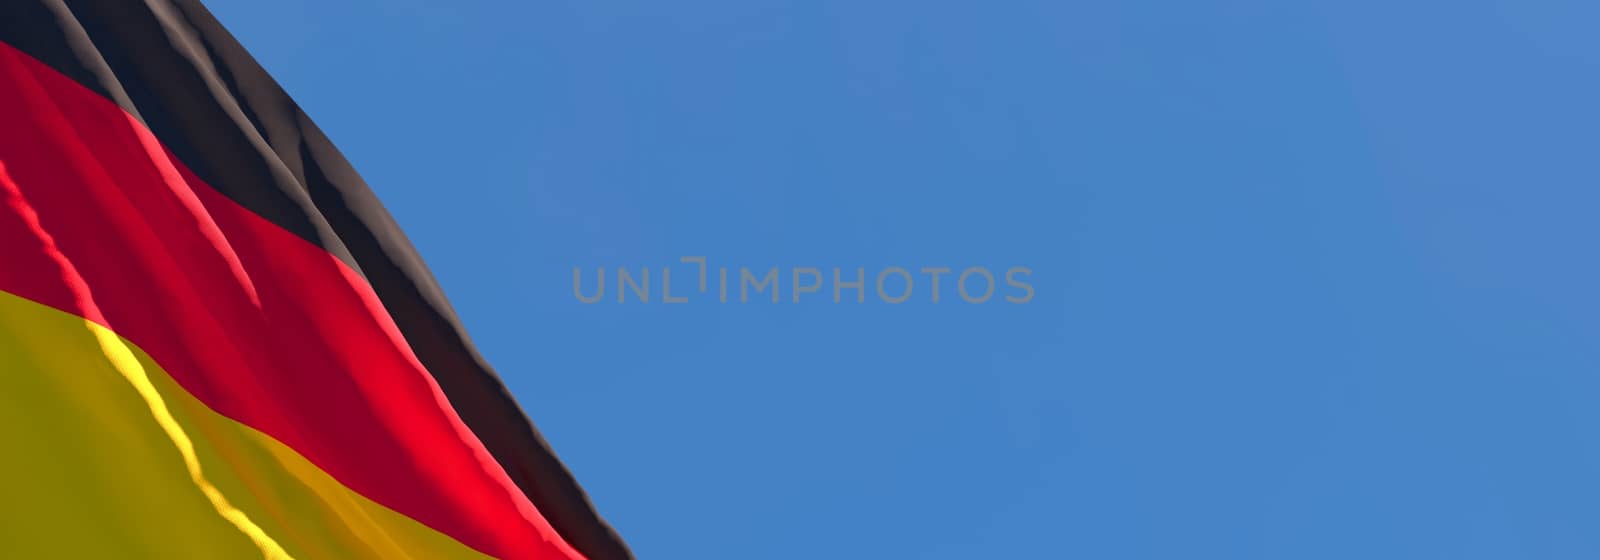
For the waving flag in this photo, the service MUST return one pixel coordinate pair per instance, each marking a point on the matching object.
(214, 342)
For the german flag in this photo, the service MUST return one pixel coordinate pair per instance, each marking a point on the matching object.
(214, 341)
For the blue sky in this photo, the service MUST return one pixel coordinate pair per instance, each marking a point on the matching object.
(1312, 281)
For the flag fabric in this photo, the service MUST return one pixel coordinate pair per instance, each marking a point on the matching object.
(215, 343)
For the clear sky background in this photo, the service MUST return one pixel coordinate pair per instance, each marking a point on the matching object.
(1314, 282)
